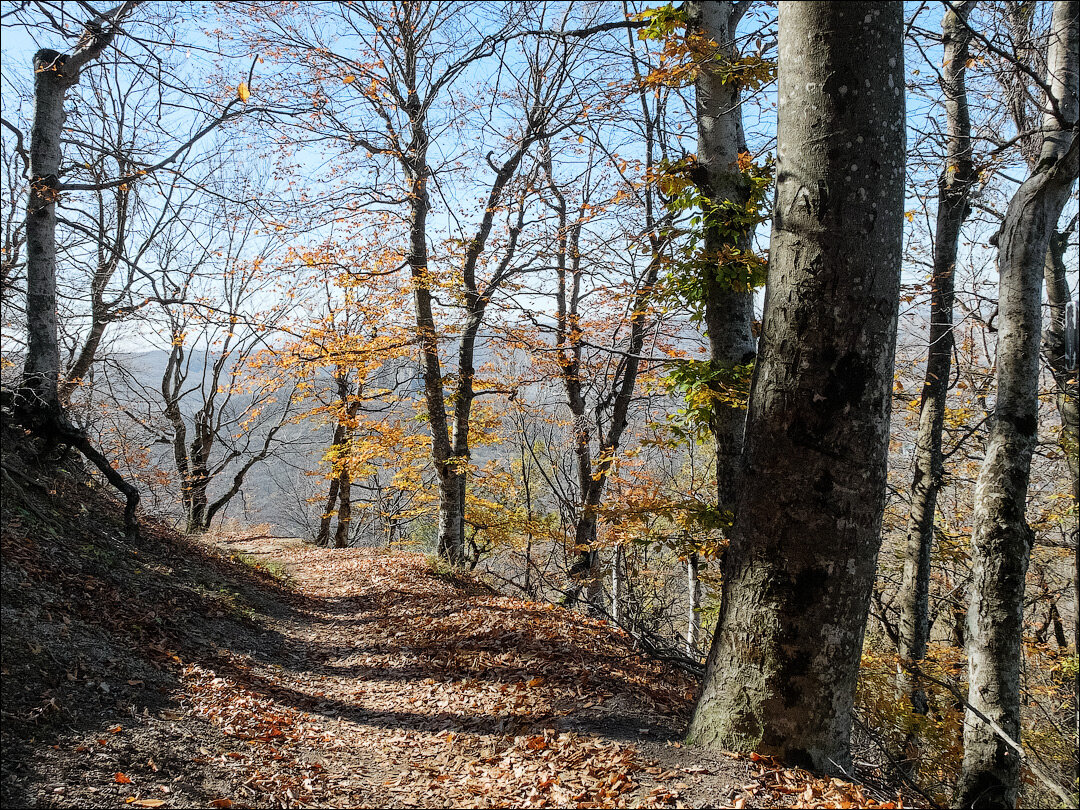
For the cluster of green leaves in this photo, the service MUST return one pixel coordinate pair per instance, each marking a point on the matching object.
(694, 269)
(664, 21)
(702, 384)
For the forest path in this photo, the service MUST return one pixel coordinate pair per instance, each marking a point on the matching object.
(384, 684)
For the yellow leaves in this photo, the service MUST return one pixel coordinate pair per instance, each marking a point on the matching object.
(348, 79)
(672, 184)
(909, 216)
(242, 92)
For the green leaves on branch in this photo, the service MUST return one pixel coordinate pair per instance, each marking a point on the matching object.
(687, 51)
(726, 222)
(702, 384)
(664, 21)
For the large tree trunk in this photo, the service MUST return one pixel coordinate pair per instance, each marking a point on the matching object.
(780, 677)
(1001, 538)
(196, 502)
(729, 310)
(38, 398)
(954, 185)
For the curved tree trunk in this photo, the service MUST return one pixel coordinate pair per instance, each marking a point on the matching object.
(1001, 538)
(954, 185)
(780, 677)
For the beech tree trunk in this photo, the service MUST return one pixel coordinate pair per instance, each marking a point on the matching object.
(54, 74)
(451, 542)
(693, 619)
(1060, 351)
(954, 186)
(1001, 538)
(341, 536)
(617, 565)
(42, 368)
(729, 312)
(780, 676)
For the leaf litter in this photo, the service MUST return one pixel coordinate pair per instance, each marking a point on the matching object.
(369, 681)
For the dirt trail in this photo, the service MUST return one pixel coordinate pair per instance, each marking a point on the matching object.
(171, 672)
(164, 671)
(397, 687)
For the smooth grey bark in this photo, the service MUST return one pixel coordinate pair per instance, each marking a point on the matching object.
(38, 399)
(781, 673)
(1060, 350)
(954, 186)
(729, 312)
(54, 74)
(1001, 538)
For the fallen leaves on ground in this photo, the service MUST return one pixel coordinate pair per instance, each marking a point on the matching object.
(392, 686)
(368, 681)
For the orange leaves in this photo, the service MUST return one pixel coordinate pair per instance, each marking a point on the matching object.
(798, 788)
(122, 778)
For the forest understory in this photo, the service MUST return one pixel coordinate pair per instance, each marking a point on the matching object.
(229, 671)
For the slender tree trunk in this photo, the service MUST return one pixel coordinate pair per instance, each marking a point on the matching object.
(341, 536)
(729, 311)
(954, 185)
(451, 542)
(84, 360)
(585, 572)
(780, 676)
(1001, 538)
(617, 565)
(1060, 351)
(42, 368)
(323, 536)
(693, 619)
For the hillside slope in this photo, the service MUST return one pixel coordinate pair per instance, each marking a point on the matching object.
(165, 672)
